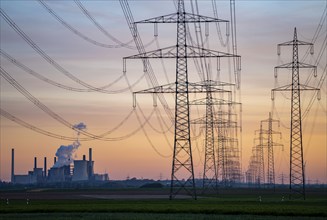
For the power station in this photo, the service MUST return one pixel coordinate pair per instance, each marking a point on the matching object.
(77, 171)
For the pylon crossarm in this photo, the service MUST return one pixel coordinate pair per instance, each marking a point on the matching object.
(282, 88)
(171, 52)
(273, 144)
(173, 18)
(214, 102)
(192, 88)
(230, 124)
(217, 83)
(292, 42)
(289, 88)
(198, 52)
(291, 65)
(222, 113)
(228, 139)
(168, 88)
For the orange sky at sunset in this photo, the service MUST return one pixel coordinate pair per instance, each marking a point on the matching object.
(261, 25)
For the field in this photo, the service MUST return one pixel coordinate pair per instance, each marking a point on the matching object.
(154, 204)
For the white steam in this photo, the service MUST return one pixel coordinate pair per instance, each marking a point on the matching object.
(65, 154)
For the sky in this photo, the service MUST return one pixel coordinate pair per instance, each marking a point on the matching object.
(261, 25)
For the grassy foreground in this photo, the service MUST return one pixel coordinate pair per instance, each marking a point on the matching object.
(201, 209)
(234, 204)
(144, 216)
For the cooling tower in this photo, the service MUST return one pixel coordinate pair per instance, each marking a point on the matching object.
(56, 174)
(80, 170)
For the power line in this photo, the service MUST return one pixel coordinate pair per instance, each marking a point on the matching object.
(91, 18)
(55, 116)
(47, 57)
(150, 76)
(54, 83)
(78, 33)
(34, 128)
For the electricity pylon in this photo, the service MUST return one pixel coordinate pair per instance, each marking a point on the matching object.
(260, 156)
(297, 181)
(210, 172)
(270, 133)
(182, 164)
(227, 154)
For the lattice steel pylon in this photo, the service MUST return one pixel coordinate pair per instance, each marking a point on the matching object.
(210, 172)
(182, 178)
(270, 151)
(260, 157)
(227, 147)
(297, 181)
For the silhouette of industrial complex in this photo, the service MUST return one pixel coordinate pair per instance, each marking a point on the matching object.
(76, 171)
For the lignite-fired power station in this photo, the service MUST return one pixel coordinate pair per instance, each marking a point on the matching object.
(76, 171)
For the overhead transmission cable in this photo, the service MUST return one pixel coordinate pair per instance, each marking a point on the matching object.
(54, 83)
(34, 128)
(91, 18)
(322, 51)
(88, 15)
(55, 116)
(78, 33)
(144, 130)
(150, 76)
(48, 58)
(83, 36)
(215, 12)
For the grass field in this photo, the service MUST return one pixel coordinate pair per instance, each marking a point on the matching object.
(227, 206)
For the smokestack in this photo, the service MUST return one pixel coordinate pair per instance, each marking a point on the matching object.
(54, 160)
(84, 157)
(90, 154)
(12, 165)
(35, 162)
(90, 164)
(45, 167)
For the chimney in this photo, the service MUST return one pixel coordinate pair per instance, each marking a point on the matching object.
(90, 168)
(90, 154)
(35, 162)
(84, 157)
(45, 167)
(12, 165)
(54, 160)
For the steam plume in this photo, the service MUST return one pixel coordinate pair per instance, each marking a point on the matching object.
(64, 153)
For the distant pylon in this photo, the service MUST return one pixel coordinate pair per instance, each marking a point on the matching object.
(210, 173)
(270, 149)
(260, 157)
(209, 170)
(297, 181)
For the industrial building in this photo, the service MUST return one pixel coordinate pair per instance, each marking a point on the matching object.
(78, 171)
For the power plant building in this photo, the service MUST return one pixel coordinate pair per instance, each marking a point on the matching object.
(80, 171)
